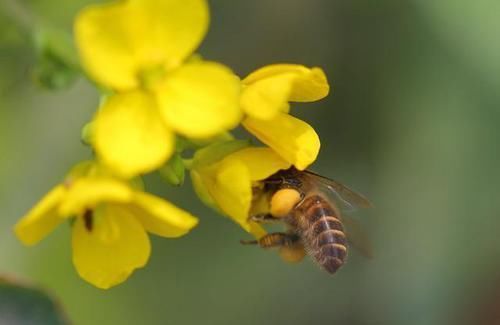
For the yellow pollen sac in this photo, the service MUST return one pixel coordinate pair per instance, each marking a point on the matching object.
(292, 254)
(283, 202)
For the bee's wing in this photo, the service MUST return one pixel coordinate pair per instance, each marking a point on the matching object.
(357, 237)
(346, 198)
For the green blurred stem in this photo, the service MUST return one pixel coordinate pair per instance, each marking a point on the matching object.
(188, 163)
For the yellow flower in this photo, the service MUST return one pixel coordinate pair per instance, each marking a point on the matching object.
(111, 221)
(141, 50)
(265, 98)
(228, 183)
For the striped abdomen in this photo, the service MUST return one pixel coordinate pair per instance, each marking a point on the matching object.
(323, 233)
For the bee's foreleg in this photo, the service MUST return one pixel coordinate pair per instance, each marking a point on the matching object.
(263, 218)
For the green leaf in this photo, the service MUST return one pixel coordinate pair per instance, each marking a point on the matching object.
(23, 304)
(173, 171)
(57, 65)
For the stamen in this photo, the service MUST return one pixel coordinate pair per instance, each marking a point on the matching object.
(88, 220)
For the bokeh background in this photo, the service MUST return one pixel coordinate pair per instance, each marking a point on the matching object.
(412, 122)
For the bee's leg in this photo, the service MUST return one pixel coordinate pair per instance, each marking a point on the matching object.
(264, 218)
(276, 239)
(248, 242)
(274, 181)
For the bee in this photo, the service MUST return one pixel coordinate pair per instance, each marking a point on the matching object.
(310, 205)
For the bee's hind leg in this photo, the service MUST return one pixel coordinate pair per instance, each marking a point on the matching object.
(276, 239)
(248, 242)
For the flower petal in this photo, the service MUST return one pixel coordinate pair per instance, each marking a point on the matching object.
(130, 136)
(266, 97)
(255, 229)
(293, 139)
(216, 151)
(108, 253)
(200, 99)
(87, 193)
(117, 41)
(81, 169)
(307, 84)
(201, 189)
(160, 217)
(42, 218)
(231, 188)
(261, 162)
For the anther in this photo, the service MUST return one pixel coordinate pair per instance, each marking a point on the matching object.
(88, 220)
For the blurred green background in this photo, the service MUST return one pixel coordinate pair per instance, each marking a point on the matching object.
(412, 122)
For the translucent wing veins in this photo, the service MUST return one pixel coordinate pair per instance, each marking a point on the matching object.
(349, 197)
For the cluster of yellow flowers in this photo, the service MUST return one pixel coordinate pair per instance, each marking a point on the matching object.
(159, 91)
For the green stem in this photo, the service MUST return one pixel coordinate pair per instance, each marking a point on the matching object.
(188, 163)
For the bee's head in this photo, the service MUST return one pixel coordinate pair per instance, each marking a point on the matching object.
(285, 178)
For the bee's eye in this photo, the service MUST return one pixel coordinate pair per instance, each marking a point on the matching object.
(283, 201)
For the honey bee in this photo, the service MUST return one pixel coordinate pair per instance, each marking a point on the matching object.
(310, 205)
